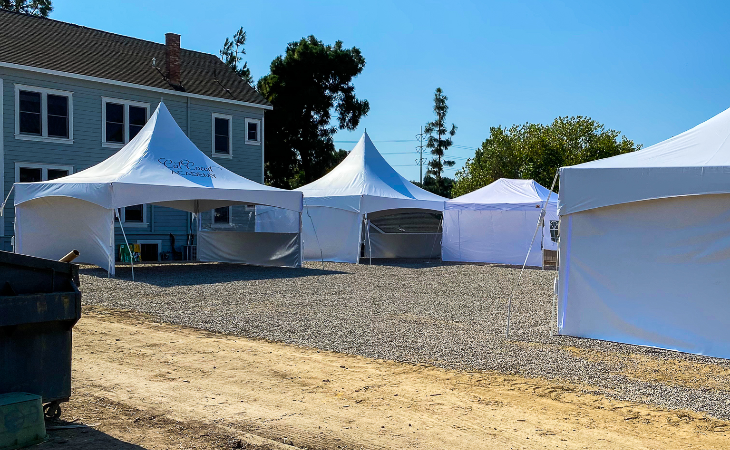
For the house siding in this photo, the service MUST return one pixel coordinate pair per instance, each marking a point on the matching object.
(194, 116)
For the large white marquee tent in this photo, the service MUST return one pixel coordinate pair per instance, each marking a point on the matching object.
(496, 223)
(363, 187)
(645, 244)
(160, 166)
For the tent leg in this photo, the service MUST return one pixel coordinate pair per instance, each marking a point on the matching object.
(131, 258)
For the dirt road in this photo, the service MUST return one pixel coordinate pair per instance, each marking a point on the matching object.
(153, 386)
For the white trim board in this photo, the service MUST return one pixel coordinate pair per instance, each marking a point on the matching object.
(129, 85)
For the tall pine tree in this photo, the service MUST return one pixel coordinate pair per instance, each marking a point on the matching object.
(232, 52)
(439, 141)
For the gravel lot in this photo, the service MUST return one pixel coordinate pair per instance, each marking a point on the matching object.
(448, 315)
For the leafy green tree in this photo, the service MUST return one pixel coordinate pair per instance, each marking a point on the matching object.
(232, 52)
(439, 139)
(306, 85)
(535, 151)
(33, 7)
(429, 184)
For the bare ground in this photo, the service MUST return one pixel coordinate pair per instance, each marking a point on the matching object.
(144, 384)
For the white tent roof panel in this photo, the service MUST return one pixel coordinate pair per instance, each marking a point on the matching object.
(365, 182)
(505, 194)
(160, 165)
(692, 163)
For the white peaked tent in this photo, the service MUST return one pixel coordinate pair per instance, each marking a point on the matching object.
(496, 223)
(361, 188)
(645, 244)
(159, 166)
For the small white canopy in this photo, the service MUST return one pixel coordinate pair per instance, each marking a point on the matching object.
(364, 183)
(505, 194)
(692, 163)
(159, 166)
(496, 223)
(644, 249)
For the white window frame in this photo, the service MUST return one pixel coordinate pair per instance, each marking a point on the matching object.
(44, 115)
(145, 218)
(44, 169)
(126, 104)
(258, 131)
(230, 135)
(221, 225)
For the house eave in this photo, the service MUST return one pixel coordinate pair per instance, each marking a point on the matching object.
(128, 85)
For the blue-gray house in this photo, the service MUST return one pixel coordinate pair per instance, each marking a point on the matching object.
(72, 96)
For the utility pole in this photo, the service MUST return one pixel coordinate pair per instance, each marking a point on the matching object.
(420, 154)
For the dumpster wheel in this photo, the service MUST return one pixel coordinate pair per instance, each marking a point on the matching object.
(52, 410)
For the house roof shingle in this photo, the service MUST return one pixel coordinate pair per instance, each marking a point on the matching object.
(61, 46)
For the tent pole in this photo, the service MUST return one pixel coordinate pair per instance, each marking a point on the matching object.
(370, 244)
(131, 258)
(519, 279)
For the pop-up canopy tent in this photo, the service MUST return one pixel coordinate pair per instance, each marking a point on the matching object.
(496, 224)
(645, 244)
(365, 189)
(159, 166)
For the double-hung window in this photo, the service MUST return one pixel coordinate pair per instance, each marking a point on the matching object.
(43, 114)
(135, 216)
(32, 172)
(122, 120)
(222, 134)
(253, 131)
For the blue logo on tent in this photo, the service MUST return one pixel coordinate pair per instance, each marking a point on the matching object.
(187, 169)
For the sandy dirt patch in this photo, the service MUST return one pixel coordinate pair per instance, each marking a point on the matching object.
(149, 385)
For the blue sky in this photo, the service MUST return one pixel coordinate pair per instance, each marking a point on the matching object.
(648, 69)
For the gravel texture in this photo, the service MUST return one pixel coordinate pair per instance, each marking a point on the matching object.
(448, 315)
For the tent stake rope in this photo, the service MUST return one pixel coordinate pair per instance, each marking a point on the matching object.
(2, 208)
(537, 227)
(321, 254)
(131, 258)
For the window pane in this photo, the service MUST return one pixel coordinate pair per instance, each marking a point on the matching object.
(57, 105)
(253, 131)
(30, 123)
(137, 115)
(133, 213)
(56, 173)
(57, 126)
(221, 215)
(115, 132)
(221, 127)
(221, 144)
(30, 174)
(30, 102)
(114, 113)
(133, 131)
